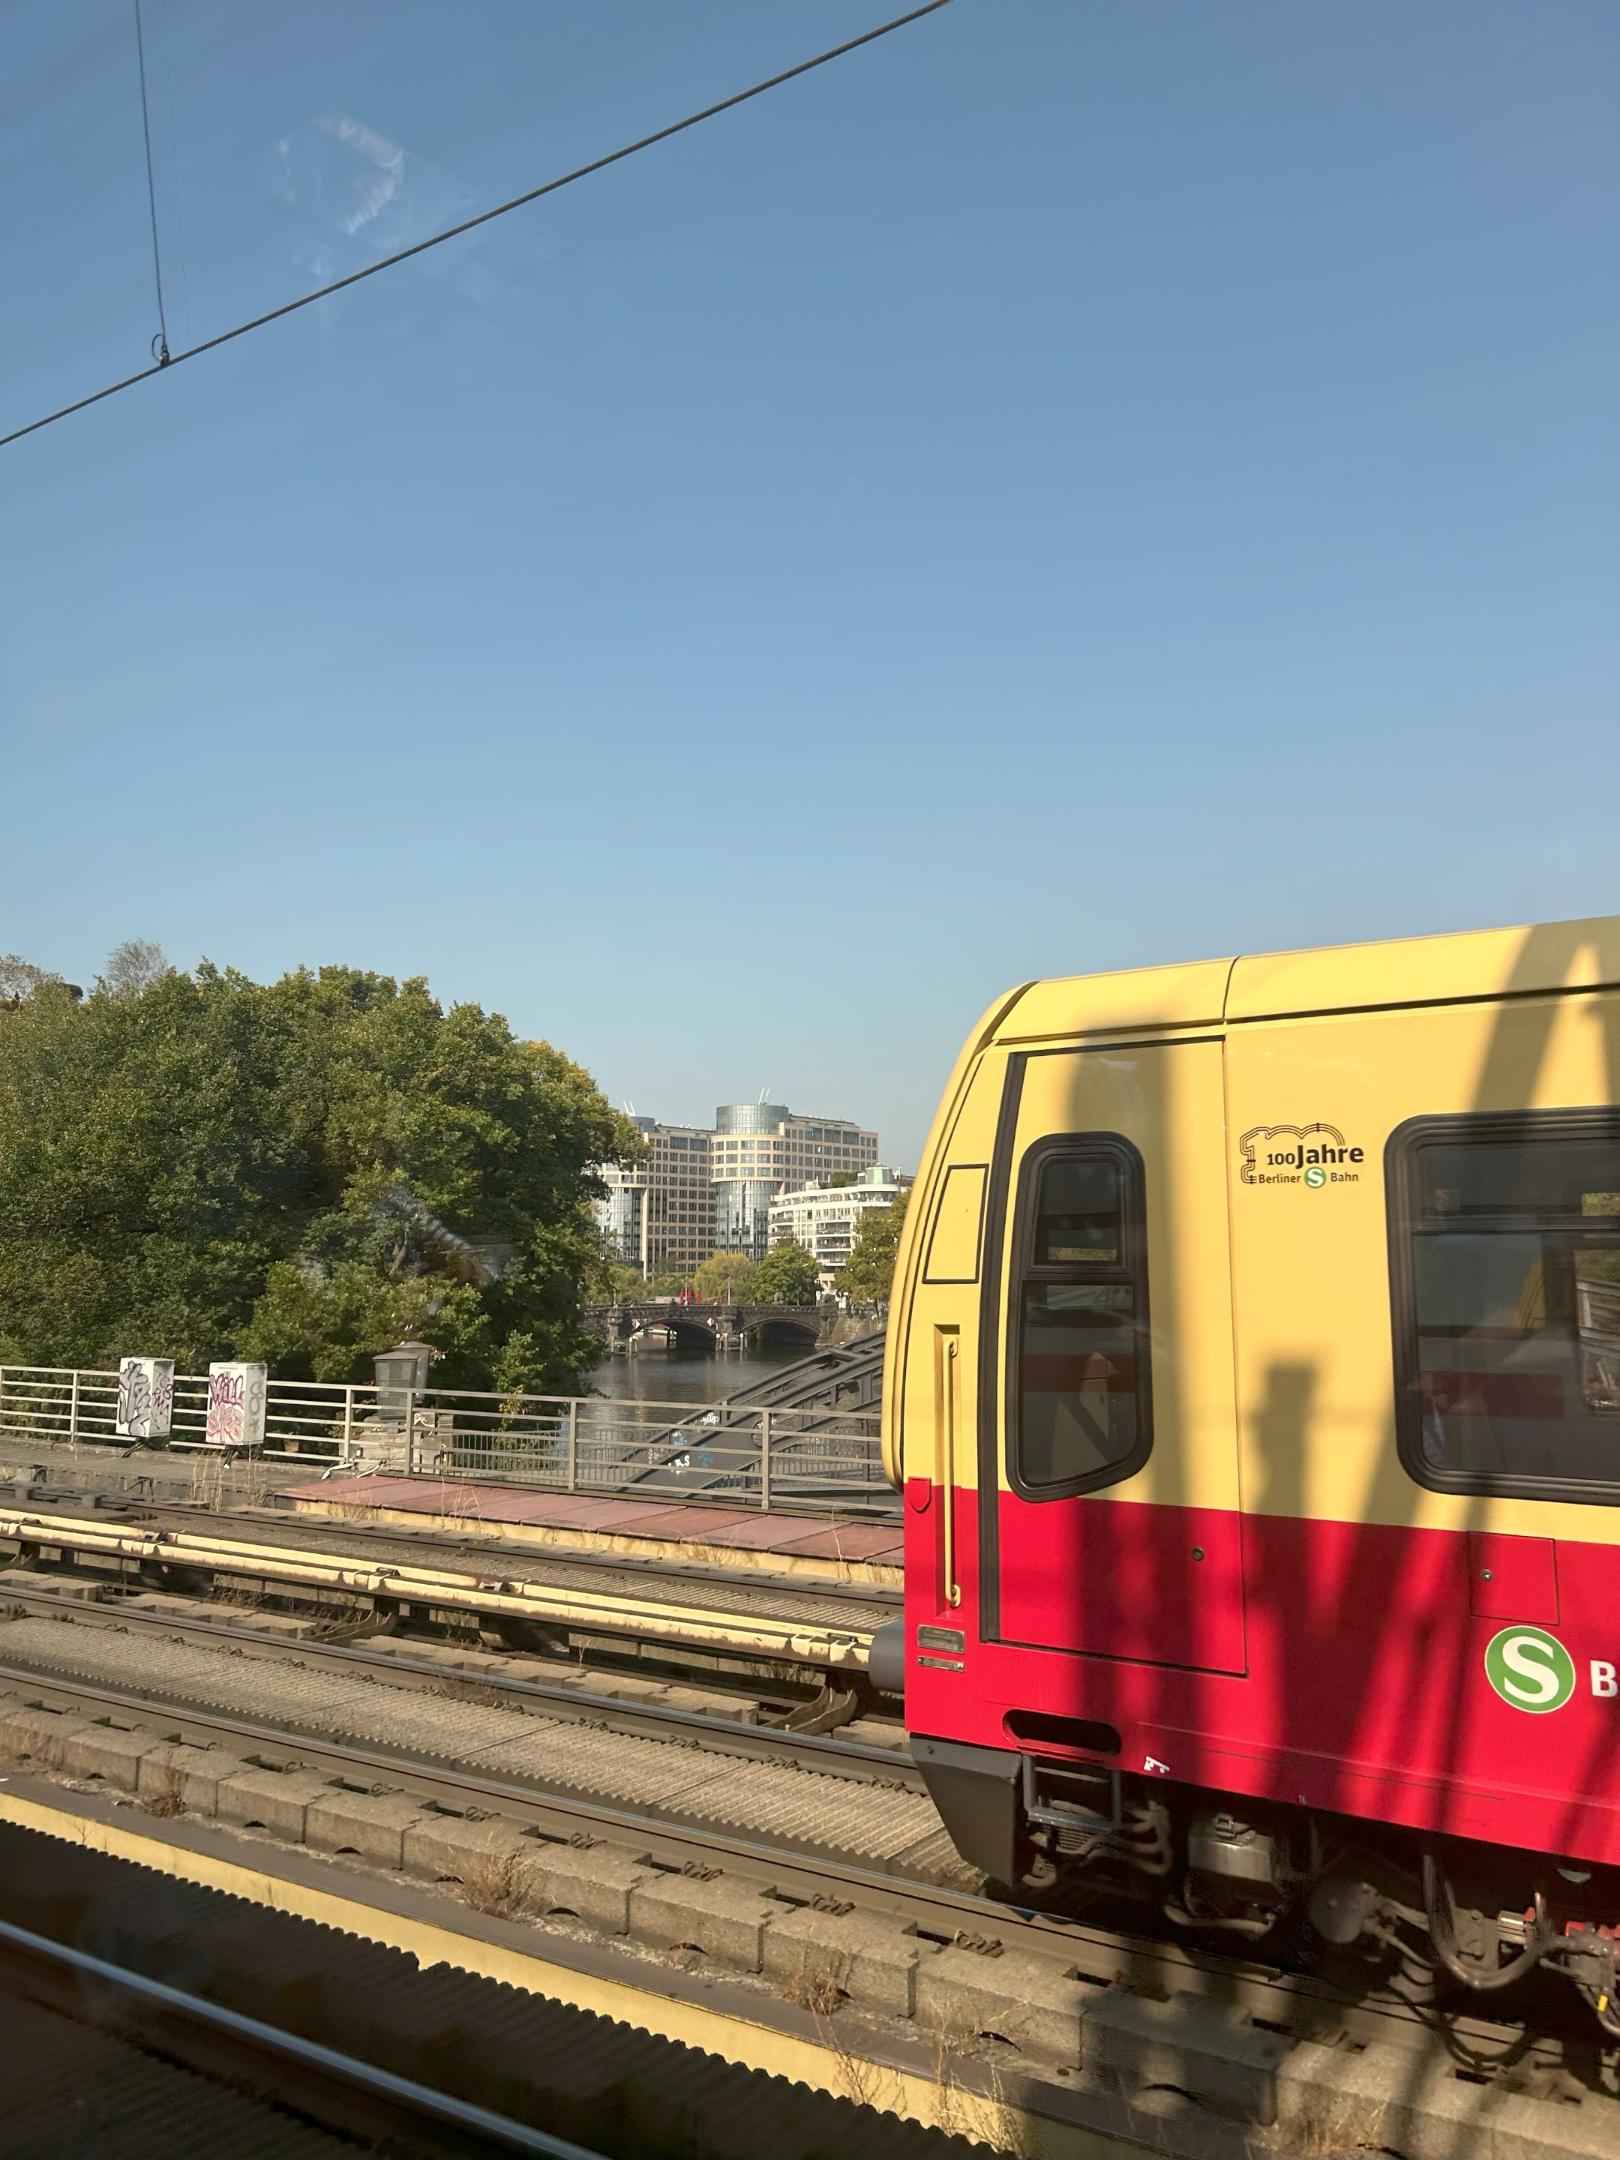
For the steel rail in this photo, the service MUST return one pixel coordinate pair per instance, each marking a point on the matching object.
(149, 1509)
(1294, 2002)
(326, 2083)
(658, 1721)
(508, 1597)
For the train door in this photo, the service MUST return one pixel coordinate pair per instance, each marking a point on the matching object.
(1108, 1465)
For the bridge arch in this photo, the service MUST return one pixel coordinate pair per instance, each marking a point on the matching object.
(781, 1332)
(687, 1331)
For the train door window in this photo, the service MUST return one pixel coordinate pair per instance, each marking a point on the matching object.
(1078, 1381)
(1505, 1251)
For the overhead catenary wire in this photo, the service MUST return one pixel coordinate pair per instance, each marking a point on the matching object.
(450, 232)
(160, 344)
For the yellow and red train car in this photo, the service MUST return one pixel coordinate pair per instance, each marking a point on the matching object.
(1254, 1388)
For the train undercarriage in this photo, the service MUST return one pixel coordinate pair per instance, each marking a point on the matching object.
(1365, 1903)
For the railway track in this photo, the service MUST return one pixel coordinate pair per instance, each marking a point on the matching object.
(779, 1818)
(748, 1727)
(784, 1821)
(394, 1576)
(733, 1587)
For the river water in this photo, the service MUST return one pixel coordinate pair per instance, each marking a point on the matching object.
(667, 1376)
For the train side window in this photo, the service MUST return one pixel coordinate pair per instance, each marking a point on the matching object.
(1505, 1266)
(953, 1250)
(1079, 1409)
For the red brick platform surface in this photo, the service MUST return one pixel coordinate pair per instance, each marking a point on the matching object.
(736, 1529)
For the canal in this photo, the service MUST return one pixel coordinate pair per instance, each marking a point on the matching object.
(668, 1376)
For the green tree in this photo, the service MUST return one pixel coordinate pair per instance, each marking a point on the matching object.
(788, 1275)
(667, 1282)
(868, 1274)
(726, 1276)
(202, 1166)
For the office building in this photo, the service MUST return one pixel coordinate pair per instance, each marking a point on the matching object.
(658, 1214)
(705, 1190)
(760, 1150)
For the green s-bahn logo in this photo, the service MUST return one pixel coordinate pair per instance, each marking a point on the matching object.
(1530, 1669)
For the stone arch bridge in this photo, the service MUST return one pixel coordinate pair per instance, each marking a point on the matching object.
(724, 1327)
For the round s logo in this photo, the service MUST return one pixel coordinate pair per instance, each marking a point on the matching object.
(1315, 1177)
(1530, 1669)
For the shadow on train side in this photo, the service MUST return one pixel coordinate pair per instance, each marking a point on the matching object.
(1312, 1593)
(1400, 1619)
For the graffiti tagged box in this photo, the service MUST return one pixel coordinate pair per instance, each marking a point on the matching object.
(236, 1398)
(145, 1398)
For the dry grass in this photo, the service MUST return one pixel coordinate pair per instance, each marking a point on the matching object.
(988, 2117)
(241, 1597)
(467, 1505)
(347, 1510)
(477, 1692)
(497, 1884)
(207, 1482)
(218, 1484)
(165, 1801)
(818, 1985)
(336, 1619)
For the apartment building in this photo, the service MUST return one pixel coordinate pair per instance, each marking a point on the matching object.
(823, 1217)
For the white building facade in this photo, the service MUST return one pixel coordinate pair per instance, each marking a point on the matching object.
(823, 1217)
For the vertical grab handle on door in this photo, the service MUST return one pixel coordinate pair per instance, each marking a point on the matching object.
(947, 1382)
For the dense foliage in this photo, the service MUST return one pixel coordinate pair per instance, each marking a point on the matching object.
(726, 1277)
(868, 1274)
(200, 1166)
(788, 1275)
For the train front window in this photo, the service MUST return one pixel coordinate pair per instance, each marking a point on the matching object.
(1507, 1311)
(1077, 1218)
(1078, 1382)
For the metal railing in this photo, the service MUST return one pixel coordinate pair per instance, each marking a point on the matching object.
(756, 1455)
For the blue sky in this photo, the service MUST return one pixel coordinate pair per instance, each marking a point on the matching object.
(1081, 483)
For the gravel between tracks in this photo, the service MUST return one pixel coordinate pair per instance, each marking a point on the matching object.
(869, 1822)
